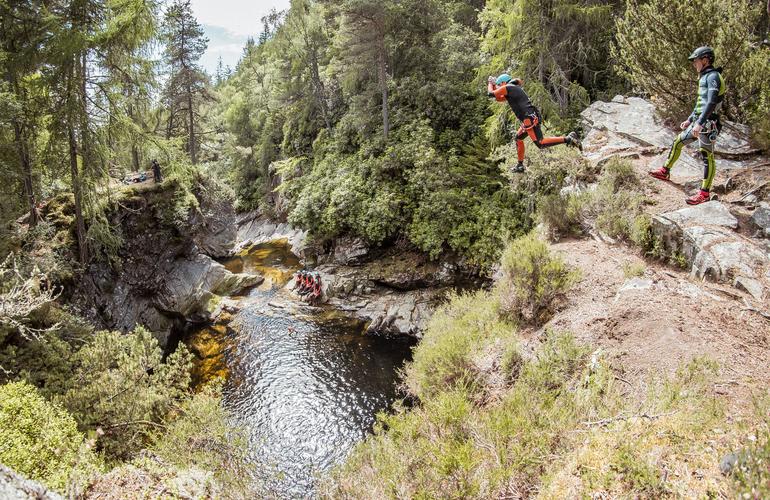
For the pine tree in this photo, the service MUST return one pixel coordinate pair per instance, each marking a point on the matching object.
(186, 87)
(23, 30)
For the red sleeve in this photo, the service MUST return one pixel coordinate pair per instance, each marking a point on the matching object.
(500, 93)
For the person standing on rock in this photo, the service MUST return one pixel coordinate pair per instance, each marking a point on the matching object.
(156, 171)
(505, 88)
(703, 123)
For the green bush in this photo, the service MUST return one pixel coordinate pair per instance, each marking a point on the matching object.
(563, 216)
(199, 435)
(562, 429)
(751, 477)
(122, 386)
(40, 440)
(453, 337)
(533, 279)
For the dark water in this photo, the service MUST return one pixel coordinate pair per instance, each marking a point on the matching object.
(306, 386)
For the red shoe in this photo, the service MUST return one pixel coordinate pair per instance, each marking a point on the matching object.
(662, 173)
(697, 199)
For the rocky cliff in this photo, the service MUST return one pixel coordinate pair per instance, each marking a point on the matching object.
(166, 274)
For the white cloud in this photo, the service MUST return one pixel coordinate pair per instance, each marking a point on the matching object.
(228, 24)
(241, 17)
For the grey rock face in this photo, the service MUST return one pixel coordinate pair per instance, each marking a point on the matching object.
(254, 229)
(704, 236)
(13, 486)
(629, 126)
(192, 283)
(350, 250)
(761, 219)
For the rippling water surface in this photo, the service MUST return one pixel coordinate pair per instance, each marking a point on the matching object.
(306, 386)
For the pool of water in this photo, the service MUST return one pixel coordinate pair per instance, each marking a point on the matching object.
(305, 385)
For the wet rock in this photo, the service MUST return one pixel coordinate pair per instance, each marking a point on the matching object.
(254, 229)
(14, 486)
(193, 283)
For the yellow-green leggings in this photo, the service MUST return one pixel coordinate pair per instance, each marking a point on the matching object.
(706, 140)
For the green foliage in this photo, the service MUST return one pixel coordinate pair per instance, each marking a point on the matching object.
(533, 279)
(633, 269)
(558, 48)
(40, 439)
(121, 385)
(454, 335)
(751, 476)
(559, 427)
(199, 435)
(563, 215)
(654, 39)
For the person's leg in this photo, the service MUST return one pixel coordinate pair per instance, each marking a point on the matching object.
(520, 135)
(706, 149)
(681, 140)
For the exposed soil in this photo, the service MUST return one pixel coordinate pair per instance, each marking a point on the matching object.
(668, 318)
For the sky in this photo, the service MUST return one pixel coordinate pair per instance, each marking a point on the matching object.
(228, 24)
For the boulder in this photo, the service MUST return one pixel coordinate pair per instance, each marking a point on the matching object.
(761, 219)
(13, 486)
(254, 229)
(704, 237)
(349, 250)
(630, 126)
(192, 283)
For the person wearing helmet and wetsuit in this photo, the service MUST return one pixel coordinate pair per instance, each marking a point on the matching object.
(505, 88)
(703, 123)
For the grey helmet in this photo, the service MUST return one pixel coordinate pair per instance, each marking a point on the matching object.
(704, 51)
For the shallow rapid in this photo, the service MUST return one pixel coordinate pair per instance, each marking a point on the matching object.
(306, 384)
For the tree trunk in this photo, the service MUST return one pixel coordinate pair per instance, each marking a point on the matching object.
(170, 123)
(26, 170)
(135, 157)
(77, 191)
(22, 148)
(318, 84)
(383, 77)
(191, 127)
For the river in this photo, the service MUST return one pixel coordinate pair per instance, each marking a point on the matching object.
(305, 383)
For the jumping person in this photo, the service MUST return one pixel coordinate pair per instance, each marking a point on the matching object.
(703, 123)
(505, 88)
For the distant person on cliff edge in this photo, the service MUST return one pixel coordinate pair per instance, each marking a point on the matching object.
(156, 171)
(703, 123)
(505, 88)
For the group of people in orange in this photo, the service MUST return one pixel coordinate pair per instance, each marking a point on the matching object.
(308, 285)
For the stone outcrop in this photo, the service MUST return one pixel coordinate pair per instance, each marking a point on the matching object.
(708, 238)
(630, 127)
(704, 236)
(164, 279)
(16, 487)
(761, 219)
(395, 293)
(254, 228)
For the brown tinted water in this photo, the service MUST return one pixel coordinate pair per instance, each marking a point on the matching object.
(306, 386)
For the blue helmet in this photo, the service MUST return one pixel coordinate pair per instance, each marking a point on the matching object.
(502, 79)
